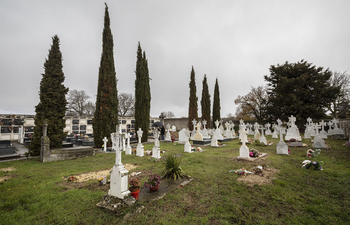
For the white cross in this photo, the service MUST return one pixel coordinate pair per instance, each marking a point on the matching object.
(105, 140)
(139, 135)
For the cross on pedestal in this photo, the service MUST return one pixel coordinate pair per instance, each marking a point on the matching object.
(105, 140)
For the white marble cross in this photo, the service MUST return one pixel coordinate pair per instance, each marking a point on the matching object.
(194, 122)
(204, 122)
(217, 123)
(309, 120)
(139, 135)
(323, 124)
(105, 140)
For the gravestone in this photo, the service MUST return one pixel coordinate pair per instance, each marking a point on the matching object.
(140, 148)
(262, 138)
(205, 131)
(318, 141)
(282, 147)
(105, 140)
(275, 133)
(128, 147)
(308, 130)
(167, 135)
(221, 128)
(293, 131)
(187, 146)
(119, 175)
(155, 149)
(323, 133)
(227, 132)
(256, 131)
(183, 136)
(336, 129)
(45, 153)
(194, 122)
(198, 136)
(214, 141)
(268, 131)
(217, 132)
(243, 150)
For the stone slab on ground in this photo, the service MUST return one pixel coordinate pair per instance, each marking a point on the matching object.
(297, 144)
(251, 159)
(204, 142)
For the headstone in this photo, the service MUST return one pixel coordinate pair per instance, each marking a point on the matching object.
(275, 133)
(205, 131)
(318, 141)
(244, 150)
(221, 128)
(198, 136)
(250, 130)
(268, 131)
(262, 138)
(140, 148)
(194, 122)
(293, 131)
(105, 140)
(308, 130)
(330, 125)
(217, 132)
(173, 128)
(256, 131)
(187, 146)
(227, 132)
(282, 147)
(119, 175)
(336, 129)
(167, 135)
(323, 133)
(156, 150)
(183, 136)
(128, 147)
(214, 141)
(45, 144)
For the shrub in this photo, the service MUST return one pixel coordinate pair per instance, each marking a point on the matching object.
(173, 168)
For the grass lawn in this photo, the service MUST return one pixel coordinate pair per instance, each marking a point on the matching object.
(35, 192)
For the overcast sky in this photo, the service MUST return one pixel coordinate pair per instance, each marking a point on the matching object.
(234, 41)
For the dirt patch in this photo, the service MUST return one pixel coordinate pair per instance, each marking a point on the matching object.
(8, 169)
(95, 174)
(4, 178)
(83, 180)
(262, 177)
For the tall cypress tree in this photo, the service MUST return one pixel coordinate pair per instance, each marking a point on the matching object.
(193, 107)
(53, 103)
(205, 102)
(142, 94)
(106, 113)
(216, 103)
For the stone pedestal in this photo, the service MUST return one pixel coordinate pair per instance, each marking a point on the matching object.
(140, 150)
(119, 182)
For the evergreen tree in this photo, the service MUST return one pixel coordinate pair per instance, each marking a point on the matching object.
(216, 103)
(193, 108)
(142, 94)
(299, 89)
(106, 113)
(205, 102)
(53, 103)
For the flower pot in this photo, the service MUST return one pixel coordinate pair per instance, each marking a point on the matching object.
(135, 194)
(154, 189)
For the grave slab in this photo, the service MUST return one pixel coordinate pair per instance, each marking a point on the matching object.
(251, 159)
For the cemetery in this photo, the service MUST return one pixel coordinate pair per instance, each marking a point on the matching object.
(277, 182)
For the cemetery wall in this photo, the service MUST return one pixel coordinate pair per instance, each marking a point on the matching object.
(344, 124)
(180, 123)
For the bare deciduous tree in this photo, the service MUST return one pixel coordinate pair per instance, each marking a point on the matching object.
(340, 106)
(168, 114)
(252, 104)
(126, 106)
(78, 104)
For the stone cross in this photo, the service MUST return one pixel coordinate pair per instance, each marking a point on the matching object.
(198, 126)
(292, 119)
(139, 135)
(105, 140)
(281, 135)
(45, 128)
(309, 120)
(168, 127)
(335, 123)
(268, 125)
(316, 127)
(217, 123)
(115, 146)
(204, 122)
(279, 122)
(194, 122)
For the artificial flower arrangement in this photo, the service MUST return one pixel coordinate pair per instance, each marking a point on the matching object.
(347, 144)
(134, 184)
(293, 140)
(307, 164)
(101, 179)
(254, 153)
(311, 153)
(153, 181)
